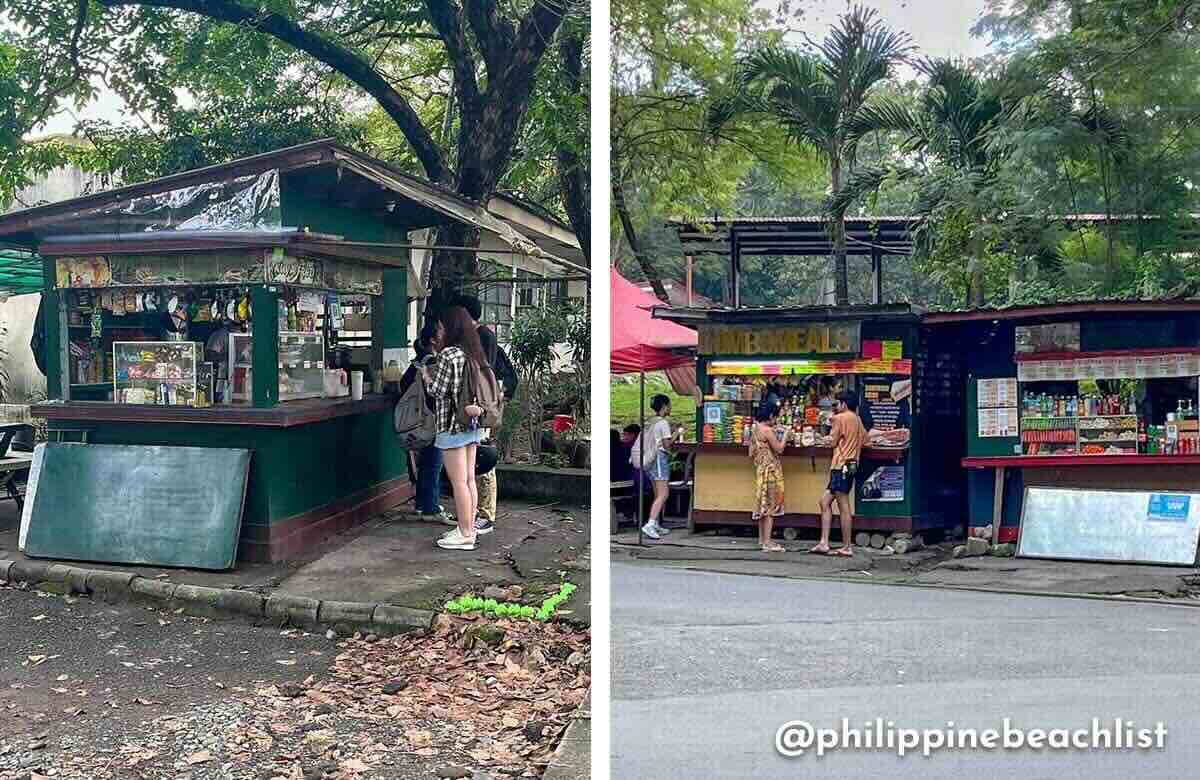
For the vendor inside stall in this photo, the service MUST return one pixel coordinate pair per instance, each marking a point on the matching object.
(801, 359)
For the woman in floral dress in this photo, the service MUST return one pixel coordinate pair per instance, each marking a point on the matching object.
(765, 449)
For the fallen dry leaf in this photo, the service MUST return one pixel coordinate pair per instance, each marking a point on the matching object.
(203, 757)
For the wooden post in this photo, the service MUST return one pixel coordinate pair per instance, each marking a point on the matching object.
(876, 275)
(689, 281)
(735, 264)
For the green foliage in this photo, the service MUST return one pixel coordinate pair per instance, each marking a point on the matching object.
(1079, 108)
(536, 333)
(468, 603)
(623, 402)
(200, 89)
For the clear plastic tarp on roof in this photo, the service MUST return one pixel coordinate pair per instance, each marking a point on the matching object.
(243, 203)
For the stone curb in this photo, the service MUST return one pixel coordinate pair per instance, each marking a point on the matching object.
(572, 760)
(1051, 594)
(345, 617)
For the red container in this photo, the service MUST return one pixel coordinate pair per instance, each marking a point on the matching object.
(563, 422)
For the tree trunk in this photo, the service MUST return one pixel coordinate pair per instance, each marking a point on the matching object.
(574, 172)
(450, 267)
(976, 293)
(841, 290)
(648, 270)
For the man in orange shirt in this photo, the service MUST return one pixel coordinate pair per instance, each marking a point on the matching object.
(849, 436)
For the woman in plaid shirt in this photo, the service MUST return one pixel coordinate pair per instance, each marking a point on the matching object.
(458, 445)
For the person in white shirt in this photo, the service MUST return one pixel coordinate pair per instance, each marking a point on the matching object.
(655, 442)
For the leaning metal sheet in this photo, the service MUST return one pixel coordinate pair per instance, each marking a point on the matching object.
(153, 505)
(1128, 526)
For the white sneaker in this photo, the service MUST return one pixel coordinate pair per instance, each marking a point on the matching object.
(649, 531)
(454, 540)
(661, 531)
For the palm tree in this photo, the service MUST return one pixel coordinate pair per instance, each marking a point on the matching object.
(948, 147)
(822, 100)
(955, 145)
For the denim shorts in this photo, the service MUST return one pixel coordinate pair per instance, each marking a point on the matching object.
(660, 470)
(452, 441)
(840, 482)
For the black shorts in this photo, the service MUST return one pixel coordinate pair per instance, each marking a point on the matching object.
(840, 483)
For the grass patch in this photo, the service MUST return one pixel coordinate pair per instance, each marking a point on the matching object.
(624, 400)
(509, 609)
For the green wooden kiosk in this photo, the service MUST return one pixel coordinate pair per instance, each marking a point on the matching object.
(203, 309)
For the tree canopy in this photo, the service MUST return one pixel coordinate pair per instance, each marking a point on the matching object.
(479, 95)
(1078, 108)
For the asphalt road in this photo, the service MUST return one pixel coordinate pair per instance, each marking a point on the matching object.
(706, 667)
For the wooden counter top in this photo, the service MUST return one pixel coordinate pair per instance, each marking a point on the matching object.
(1055, 461)
(893, 454)
(285, 415)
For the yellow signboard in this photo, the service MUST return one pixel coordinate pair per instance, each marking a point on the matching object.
(818, 338)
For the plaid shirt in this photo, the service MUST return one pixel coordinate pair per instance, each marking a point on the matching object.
(447, 380)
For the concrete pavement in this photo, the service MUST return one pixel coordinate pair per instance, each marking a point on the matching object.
(739, 554)
(392, 560)
(707, 666)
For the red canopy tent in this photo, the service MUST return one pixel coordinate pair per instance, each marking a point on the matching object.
(641, 343)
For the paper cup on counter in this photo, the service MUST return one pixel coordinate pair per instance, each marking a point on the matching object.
(356, 385)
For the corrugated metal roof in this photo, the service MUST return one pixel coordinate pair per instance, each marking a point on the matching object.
(20, 272)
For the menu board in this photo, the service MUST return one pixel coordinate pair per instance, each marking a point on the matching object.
(879, 403)
(1115, 367)
(996, 392)
(998, 423)
(937, 384)
(997, 403)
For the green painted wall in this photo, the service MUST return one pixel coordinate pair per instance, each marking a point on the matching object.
(301, 209)
(292, 470)
(389, 319)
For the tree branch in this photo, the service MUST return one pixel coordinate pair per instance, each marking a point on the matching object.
(344, 61)
(493, 33)
(447, 20)
(533, 37)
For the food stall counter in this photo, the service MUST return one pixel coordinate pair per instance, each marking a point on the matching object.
(285, 415)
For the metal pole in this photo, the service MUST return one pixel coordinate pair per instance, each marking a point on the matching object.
(641, 453)
(689, 281)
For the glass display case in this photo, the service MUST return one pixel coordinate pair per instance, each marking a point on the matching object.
(154, 372)
(240, 348)
(301, 365)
